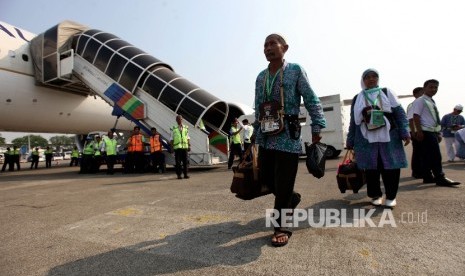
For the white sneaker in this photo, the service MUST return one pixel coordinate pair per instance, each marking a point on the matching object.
(377, 201)
(391, 203)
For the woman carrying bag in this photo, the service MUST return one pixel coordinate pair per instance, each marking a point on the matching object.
(378, 124)
(278, 93)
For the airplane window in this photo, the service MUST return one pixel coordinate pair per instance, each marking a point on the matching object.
(25, 58)
(8, 100)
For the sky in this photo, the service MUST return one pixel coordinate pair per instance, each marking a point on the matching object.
(218, 45)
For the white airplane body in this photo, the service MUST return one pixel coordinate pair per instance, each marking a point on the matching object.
(27, 107)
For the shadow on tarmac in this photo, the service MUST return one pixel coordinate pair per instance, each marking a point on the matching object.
(195, 248)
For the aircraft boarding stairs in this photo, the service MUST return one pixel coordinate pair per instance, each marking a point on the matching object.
(138, 86)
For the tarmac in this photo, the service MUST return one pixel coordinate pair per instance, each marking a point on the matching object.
(58, 222)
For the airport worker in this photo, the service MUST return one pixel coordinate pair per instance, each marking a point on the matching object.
(87, 155)
(450, 123)
(35, 158)
(247, 135)
(415, 163)
(235, 148)
(48, 157)
(180, 143)
(279, 148)
(110, 148)
(156, 152)
(98, 156)
(135, 152)
(7, 159)
(428, 125)
(15, 155)
(378, 125)
(74, 156)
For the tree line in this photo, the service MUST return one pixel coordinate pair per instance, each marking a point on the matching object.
(39, 141)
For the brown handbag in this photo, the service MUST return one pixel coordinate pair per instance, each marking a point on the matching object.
(246, 182)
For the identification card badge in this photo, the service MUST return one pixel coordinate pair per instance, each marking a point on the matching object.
(377, 118)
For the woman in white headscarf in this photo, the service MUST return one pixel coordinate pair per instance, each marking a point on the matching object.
(378, 124)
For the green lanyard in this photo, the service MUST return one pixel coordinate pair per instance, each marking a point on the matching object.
(270, 83)
(371, 91)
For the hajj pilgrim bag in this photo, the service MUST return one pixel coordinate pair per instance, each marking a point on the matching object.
(349, 176)
(246, 181)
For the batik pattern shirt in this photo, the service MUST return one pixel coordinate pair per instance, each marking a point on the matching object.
(296, 87)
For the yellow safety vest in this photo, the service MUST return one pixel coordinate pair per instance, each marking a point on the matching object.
(236, 138)
(110, 146)
(74, 153)
(180, 137)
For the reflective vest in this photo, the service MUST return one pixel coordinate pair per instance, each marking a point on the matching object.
(75, 153)
(88, 149)
(155, 144)
(180, 138)
(110, 146)
(236, 138)
(15, 152)
(136, 143)
(36, 152)
(7, 155)
(48, 152)
(98, 146)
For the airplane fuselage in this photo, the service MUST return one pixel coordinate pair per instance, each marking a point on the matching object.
(27, 107)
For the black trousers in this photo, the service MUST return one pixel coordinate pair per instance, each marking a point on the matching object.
(110, 160)
(416, 163)
(48, 161)
(431, 156)
(390, 180)
(180, 156)
(74, 160)
(158, 161)
(86, 163)
(278, 170)
(14, 160)
(6, 162)
(35, 162)
(234, 150)
(246, 146)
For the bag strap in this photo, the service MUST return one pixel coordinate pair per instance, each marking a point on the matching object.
(281, 90)
(349, 155)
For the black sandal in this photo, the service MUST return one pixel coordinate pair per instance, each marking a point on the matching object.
(279, 234)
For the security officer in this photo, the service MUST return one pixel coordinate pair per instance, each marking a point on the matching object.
(109, 147)
(98, 158)
(156, 153)
(7, 159)
(87, 155)
(236, 142)
(15, 159)
(48, 157)
(135, 153)
(74, 157)
(180, 142)
(35, 158)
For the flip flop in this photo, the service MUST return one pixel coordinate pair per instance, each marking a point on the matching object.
(280, 234)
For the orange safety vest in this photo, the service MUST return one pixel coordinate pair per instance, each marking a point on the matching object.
(136, 143)
(155, 144)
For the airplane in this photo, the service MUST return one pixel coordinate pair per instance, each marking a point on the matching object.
(84, 94)
(28, 107)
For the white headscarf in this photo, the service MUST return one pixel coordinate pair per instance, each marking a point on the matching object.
(385, 102)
